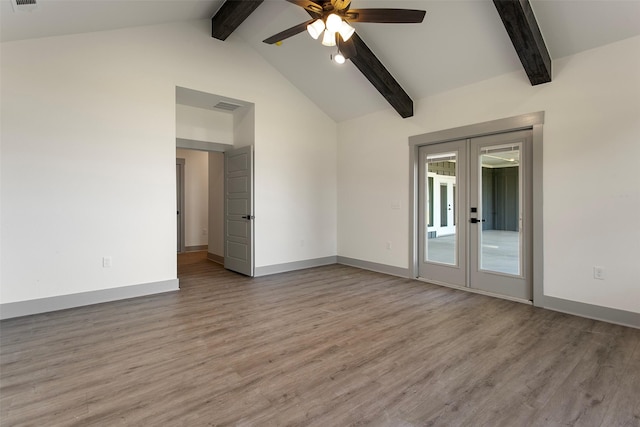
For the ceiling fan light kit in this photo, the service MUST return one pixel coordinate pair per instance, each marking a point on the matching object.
(316, 28)
(346, 31)
(333, 23)
(339, 58)
(329, 38)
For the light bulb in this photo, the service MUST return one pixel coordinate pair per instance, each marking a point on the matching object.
(346, 31)
(315, 28)
(339, 58)
(333, 23)
(329, 38)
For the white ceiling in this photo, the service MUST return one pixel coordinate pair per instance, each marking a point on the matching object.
(460, 42)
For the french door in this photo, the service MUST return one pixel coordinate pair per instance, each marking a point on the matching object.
(475, 213)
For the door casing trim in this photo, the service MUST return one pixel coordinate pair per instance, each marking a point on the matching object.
(182, 163)
(533, 121)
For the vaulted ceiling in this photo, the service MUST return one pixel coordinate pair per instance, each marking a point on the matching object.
(460, 42)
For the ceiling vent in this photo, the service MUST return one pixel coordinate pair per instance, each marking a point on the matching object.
(226, 106)
(23, 5)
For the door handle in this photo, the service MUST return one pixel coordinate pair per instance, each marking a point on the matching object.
(476, 220)
(247, 217)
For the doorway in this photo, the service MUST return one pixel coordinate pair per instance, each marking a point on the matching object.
(475, 208)
(478, 236)
(218, 125)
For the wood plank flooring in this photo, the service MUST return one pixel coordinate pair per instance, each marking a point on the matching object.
(328, 346)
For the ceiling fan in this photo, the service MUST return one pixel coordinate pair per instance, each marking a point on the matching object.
(331, 18)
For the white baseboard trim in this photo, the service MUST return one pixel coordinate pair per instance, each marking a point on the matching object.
(374, 266)
(63, 302)
(590, 311)
(292, 266)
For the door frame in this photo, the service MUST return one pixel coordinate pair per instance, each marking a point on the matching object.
(532, 121)
(181, 163)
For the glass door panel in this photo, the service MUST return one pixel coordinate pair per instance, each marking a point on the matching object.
(441, 238)
(442, 242)
(500, 208)
(500, 174)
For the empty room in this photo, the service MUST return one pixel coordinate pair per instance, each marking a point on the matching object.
(320, 212)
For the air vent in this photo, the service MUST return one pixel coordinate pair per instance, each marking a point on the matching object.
(23, 5)
(226, 106)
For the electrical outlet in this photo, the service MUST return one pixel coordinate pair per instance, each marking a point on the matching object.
(106, 262)
(204, 231)
(598, 273)
(389, 245)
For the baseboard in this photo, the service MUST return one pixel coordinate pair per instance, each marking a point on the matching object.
(215, 258)
(590, 311)
(63, 302)
(292, 266)
(374, 266)
(196, 248)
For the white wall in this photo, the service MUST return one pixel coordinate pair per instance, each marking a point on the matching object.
(244, 130)
(216, 204)
(88, 156)
(592, 120)
(203, 125)
(196, 196)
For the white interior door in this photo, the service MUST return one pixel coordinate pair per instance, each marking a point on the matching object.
(238, 208)
(475, 213)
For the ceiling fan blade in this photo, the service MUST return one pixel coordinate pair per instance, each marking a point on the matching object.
(308, 5)
(348, 48)
(289, 32)
(386, 16)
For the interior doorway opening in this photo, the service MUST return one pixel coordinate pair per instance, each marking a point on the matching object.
(208, 128)
(201, 199)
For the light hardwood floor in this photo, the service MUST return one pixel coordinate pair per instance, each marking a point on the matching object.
(328, 346)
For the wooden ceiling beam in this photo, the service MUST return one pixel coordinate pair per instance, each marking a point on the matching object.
(231, 14)
(371, 67)
(524, 32)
